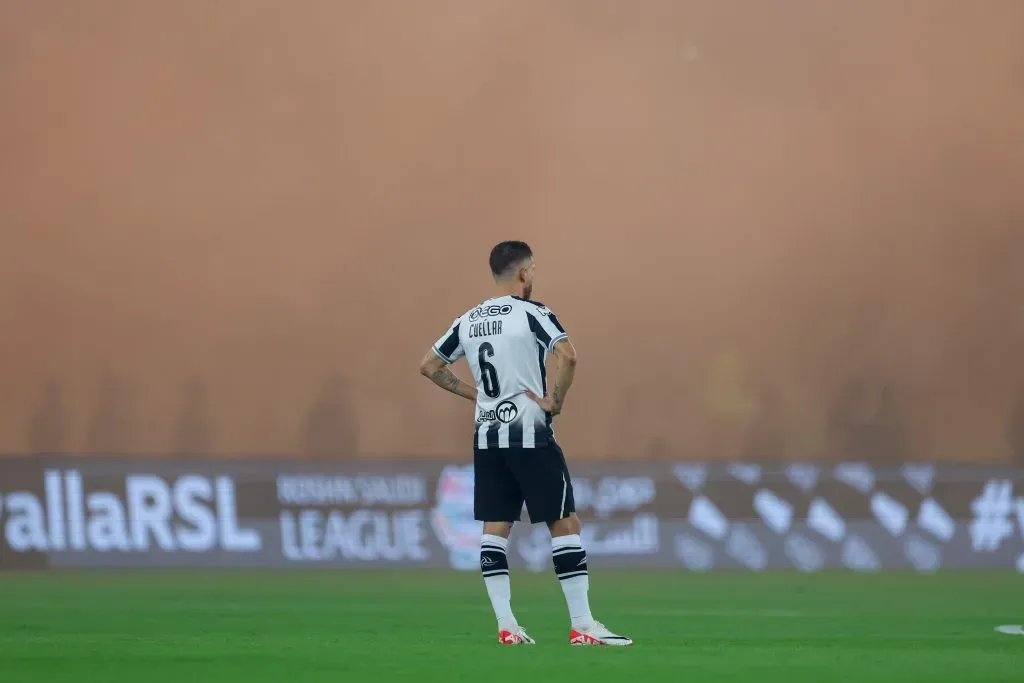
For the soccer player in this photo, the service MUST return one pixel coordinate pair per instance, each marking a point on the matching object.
(507, 340)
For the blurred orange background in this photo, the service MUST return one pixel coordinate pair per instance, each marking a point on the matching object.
(234, 226)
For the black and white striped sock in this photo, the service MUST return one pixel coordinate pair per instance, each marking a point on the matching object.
(494, 567)
(570, 561)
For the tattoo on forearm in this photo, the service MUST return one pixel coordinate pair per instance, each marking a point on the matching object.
(446, 379)
(558, 395)
(560, 384)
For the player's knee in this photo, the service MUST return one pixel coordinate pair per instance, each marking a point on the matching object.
(567, 526)
(502, 529)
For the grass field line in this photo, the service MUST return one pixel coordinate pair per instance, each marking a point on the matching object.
(342, 605)
(645, 612)
(730, 613)
(243, 643)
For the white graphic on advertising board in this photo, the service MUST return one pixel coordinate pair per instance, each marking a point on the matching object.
(190, 513)
(452, 517)
(372, 527)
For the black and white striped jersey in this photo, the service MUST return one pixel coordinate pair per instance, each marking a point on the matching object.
(506, 341)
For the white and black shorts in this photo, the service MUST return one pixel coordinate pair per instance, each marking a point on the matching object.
(506, 477)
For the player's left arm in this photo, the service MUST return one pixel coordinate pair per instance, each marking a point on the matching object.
(563, 357)
(436, 369)
(550, 334)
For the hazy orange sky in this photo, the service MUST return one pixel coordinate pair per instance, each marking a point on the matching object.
(226, 203)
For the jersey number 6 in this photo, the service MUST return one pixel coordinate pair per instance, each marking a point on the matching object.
(488, 374)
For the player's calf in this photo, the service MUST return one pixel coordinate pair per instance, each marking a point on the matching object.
(494, 567)
(570, 560)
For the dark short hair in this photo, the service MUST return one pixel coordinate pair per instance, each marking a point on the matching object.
(508, 254)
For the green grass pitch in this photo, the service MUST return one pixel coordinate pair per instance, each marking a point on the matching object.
(255, 627)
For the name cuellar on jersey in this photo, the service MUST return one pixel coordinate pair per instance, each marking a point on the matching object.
(506, 342)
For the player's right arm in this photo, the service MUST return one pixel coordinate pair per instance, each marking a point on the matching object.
(562, 353)
(434, 365)
(437, 371)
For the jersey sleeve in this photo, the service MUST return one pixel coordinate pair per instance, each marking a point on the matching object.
(545, 326)
(449, 347)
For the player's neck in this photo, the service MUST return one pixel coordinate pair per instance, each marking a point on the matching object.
(509, 290)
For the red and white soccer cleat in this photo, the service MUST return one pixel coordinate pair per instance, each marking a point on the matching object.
(517, 636)
(597, 634)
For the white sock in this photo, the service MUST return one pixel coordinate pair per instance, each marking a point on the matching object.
(570, 562)
(494, 567)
